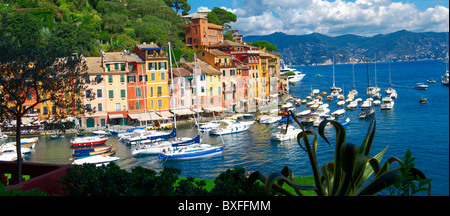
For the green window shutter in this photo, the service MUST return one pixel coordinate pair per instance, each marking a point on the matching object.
(122, 93)
(111, 93)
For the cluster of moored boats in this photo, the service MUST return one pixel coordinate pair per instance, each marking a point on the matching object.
(8, 151)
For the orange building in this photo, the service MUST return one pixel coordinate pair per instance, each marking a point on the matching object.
(200, 33)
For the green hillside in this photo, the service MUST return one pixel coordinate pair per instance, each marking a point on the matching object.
(109, 25)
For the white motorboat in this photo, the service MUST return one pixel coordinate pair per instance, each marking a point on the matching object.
(387, 103)
(376, 102)
(231, 126)
(208, 126)
(310, 119)
(8, 155)
(316, 91)
(337, 113)
(367, 104)
(285, 133)
(96, 159)
(323, 109)
(317, 122)
(445, 78)
(421, 86)
(297, 77)
(358, 100)
(352, 105)
(266, 119)
(303, 113)
(340, 103)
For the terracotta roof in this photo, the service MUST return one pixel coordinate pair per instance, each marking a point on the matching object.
(148, 46)
(94, 65)
(181, 71)
(205, 67)
(217, 52)
(114, 57)
(133, 57)
(226, 43)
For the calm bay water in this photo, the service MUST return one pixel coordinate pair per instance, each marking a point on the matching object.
(422, 128)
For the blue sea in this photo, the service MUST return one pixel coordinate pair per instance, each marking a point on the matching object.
(421, 128)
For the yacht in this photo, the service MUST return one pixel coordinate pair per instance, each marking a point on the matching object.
(292, 78)
(421, 86)
(445, 78)
(231, 126)
(387, 103)
(285, 133)
(205, 127)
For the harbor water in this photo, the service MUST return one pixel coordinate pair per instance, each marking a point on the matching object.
(421, 128)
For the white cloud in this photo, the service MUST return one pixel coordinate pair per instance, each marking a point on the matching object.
(361, 17)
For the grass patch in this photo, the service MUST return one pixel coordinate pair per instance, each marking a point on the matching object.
(304, 180)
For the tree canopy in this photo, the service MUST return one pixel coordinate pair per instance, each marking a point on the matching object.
(262, 44)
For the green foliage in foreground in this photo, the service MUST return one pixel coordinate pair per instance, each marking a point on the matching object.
(110, 180)
(349, 173)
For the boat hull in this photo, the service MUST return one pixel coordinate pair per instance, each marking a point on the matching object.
(192, 155)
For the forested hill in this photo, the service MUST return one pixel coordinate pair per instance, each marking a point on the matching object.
(320, 49)
(112, 25)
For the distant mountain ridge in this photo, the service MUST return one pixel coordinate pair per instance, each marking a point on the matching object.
(313, 49)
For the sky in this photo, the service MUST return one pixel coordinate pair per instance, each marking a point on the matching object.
(333, 17)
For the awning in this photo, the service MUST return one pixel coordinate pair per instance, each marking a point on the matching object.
(149, 116)
(184, 112)
(165, 114)
(114, 116)
(213, 109)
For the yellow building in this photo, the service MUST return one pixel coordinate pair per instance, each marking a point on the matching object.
(157, 76)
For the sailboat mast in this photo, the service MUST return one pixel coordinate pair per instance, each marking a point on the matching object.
(196, 79)
(173, 90)
(390, 74)
(375, 71)
(368, 75)
(353, 68)
(333, 73)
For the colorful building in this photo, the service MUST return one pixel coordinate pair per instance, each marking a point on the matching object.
(200, 33)
(116, 73)
(156, 61)
(136, 86)
(96, 82)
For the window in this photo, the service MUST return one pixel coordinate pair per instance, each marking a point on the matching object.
(45, 110)
(117, 106)
(152, 76)
(151, 90)
(88, 107)
(210, 91)
(122, 66)
(131, 78)
(151, 66)
(219, 91)
(99, 107)
(111, 93)
(138, 105)
(102, 122)
(223, 72)
(54, 110)
(163, 75)
(122, 78)
(108, 67)
(99, 93)
(138, 92)
(211, 100)
(110, 78)
(162, 65)
(182, 102)
(98, 78)
(122, 93)
(116, 66)
(159, 103)
(159, 90)
(88, 93)
(152, 105)
(130, 67)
